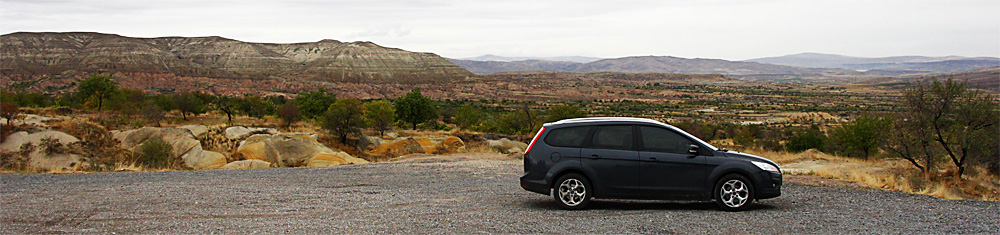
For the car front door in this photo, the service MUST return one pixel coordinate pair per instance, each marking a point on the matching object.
(667, 169)
(613, 161)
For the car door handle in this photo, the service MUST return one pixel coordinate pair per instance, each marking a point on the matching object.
(594, 156)
(652, 158)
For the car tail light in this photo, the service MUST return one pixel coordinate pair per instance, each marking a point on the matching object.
(532, 144)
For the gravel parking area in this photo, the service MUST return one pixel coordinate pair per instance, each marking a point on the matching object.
(473, 194)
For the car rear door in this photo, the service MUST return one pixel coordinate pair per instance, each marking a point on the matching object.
(613, 161)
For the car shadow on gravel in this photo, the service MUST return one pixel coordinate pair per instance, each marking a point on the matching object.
(627, 205)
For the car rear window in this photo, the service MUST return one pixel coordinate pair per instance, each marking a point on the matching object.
(568, 137)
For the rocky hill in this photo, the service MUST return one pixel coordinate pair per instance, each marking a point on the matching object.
(34, 55)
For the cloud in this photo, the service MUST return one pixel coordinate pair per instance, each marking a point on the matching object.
(396, 30)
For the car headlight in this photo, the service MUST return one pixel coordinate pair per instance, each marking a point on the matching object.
(765, 166)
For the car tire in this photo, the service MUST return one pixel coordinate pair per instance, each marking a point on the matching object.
(733, 193)
(572, 191)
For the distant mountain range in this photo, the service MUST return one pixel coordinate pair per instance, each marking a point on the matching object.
(896, 65)
(642, 64)
(798, 64)
(488, 57)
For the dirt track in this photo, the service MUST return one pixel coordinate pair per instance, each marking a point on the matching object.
(475, 193)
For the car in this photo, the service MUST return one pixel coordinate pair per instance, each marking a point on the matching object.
(577, 160)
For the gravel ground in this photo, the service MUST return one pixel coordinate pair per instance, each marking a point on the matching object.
(471, 195)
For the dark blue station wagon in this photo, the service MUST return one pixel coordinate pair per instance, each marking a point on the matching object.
(576, 160)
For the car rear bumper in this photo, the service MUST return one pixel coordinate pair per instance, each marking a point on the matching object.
(534, 185)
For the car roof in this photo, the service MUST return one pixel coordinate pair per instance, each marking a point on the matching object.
(607, 119)
(584, 121)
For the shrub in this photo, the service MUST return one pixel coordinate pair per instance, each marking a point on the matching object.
(811, 139)
(156, 153)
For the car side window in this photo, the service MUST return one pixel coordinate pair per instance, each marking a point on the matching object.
(657, 139)
(568, 137)
(613, 137)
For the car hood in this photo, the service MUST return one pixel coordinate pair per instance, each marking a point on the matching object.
(747, 156)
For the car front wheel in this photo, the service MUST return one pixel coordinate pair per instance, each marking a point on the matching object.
(572, 191)
(733, 193)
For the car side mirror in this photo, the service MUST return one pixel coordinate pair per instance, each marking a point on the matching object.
(693, 149)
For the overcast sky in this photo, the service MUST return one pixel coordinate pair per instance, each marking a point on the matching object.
(723, 29)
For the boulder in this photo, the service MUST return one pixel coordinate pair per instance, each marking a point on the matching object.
(40, 158)
(196, 130)
(183, 142)
(369, 142)
(506, 145)
(239, 132)
(408, 145)
(293, 150)
(401, 146)
(247, 164)
(200, 159)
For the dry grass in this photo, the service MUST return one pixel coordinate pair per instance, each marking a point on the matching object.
(890, 174)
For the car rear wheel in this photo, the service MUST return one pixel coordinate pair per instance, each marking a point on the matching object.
(572, 191)
(734, 193)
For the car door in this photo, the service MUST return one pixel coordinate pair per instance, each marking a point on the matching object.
(613, 161)
(667, 169)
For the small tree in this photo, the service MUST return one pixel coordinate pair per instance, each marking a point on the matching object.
(289, 114)
(9, 111)
(227, 105)
(414, 108)
(256, 106)
(189, 103)
(809, 139)
(469, 116)
(98, 88)
(344, 118)
(560, 112)
(314, 104)
(153, 113)
(379, 115)
(862, 137)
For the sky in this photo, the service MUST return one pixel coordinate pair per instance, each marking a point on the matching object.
(718, 29)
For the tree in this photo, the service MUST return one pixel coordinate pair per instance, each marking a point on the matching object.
(9, 111)
(469, 116)
(226, 104)
(560, 112)
(289, 114)
(380, 115)
(521, 120)
(344, 118)
(314, 104)
(862, 137)
(256, 106)
(809, 139)
(97, 88)
(153, 114)
(959, 121)
(189, 103)
(414, 108)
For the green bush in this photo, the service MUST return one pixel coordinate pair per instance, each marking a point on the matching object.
(156, 153)
(811, 139)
